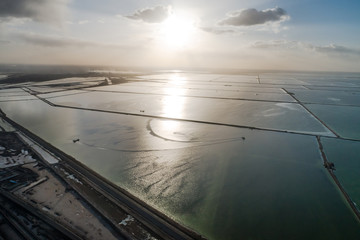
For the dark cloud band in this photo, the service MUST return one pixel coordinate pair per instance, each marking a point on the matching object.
(332, 49)
(151, 15)
(37, 10)
(249, 17)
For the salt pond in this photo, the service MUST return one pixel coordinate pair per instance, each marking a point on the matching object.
(225, 182)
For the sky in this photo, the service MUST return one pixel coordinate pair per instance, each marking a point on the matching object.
(311, 35)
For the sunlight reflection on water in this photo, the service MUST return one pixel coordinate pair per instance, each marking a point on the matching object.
(173, 104)
(224, 182)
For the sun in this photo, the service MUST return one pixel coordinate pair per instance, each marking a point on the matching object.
(177, 31)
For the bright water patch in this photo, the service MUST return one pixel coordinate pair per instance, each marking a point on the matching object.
(15, 95)
(278, 116)
(61, 93)
(184, 83)
(45, 89)
(204, 77)
(11, 92)
(237, 79)
(89, 81)
(349, 89)
(327, 97)
(241, 93)
(334, 80)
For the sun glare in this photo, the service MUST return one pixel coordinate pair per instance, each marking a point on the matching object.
(177, 31)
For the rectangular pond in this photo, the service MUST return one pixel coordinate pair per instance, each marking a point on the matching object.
(227, 168)
(344, 120)
(346, 157)
(223, 182)
(268, 115)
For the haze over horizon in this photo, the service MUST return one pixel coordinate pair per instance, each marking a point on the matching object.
(260, 34)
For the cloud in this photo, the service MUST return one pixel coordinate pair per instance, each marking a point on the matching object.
(330, 50)
(52, 41)
(278, 44)
(50, 11)
(152, 15)
(83, 22)
(4, 41)
(250, 17)
(217, 30)
(336, 49)
(62, 42)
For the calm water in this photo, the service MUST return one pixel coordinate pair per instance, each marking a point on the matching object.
(346, 157)
(225, 182)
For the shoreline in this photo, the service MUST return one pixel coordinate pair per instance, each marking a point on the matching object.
(94, 189)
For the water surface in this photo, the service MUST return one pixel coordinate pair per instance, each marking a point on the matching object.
(224, 182)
